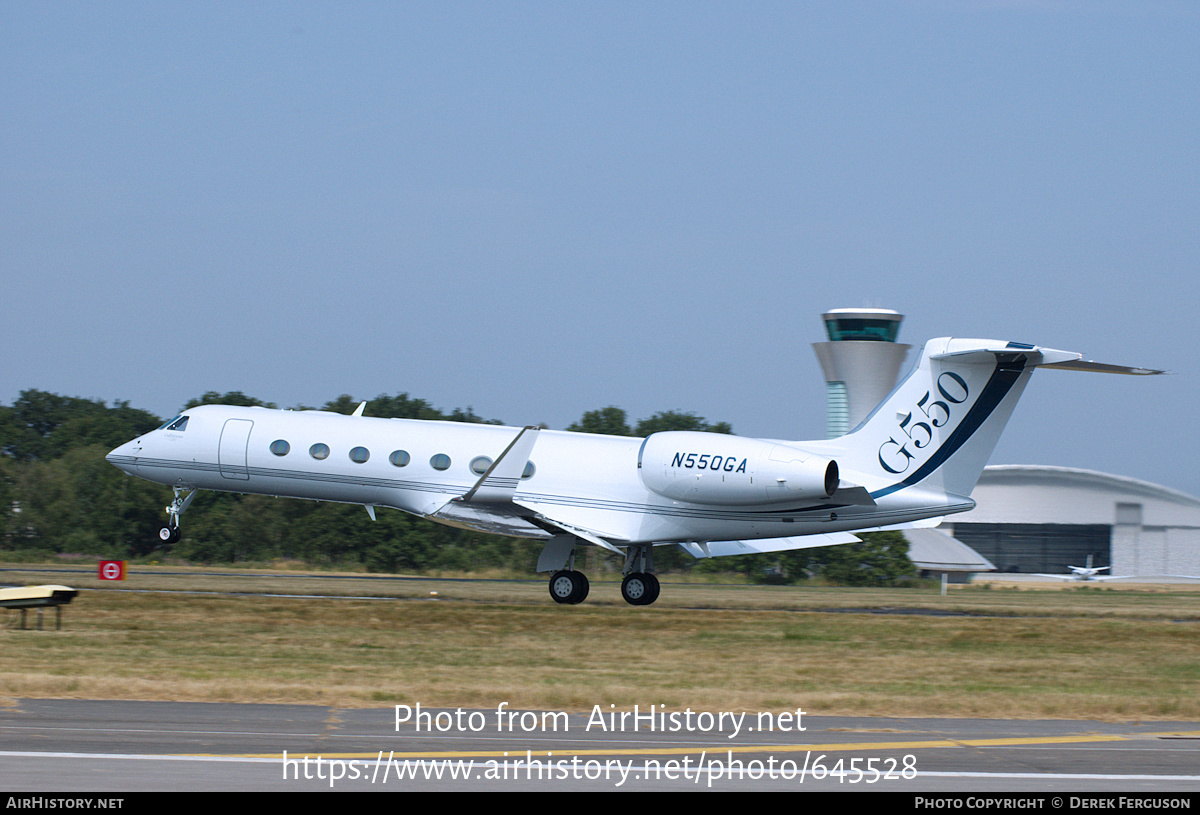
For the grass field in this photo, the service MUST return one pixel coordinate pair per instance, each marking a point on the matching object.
(1080, 653)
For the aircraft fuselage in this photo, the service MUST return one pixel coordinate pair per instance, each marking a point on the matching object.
(591, 481)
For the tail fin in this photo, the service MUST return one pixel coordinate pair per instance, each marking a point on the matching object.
(939, 426)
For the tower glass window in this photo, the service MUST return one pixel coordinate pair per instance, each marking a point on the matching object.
(862, 328)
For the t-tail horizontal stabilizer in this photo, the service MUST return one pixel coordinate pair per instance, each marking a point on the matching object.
(1047, 358)
(1101, 368)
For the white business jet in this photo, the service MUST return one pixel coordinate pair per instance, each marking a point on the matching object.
(915, 459)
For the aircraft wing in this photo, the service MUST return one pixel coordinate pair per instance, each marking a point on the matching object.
(496, 518)
(489, 505)
(753, 547)
(582, 534)
(517, 521)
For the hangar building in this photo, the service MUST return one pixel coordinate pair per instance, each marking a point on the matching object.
(1044, 519)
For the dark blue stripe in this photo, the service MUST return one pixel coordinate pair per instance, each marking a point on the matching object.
(1009, 368)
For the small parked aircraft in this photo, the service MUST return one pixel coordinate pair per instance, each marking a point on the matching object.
(915, 459)
(1085, 573)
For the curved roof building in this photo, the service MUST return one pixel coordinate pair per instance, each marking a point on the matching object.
(1044, 519)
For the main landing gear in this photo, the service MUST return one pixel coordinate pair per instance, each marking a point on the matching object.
(568, 586)
(169, 533)
(640, 586)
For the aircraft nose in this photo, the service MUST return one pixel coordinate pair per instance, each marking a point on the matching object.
(125, 456)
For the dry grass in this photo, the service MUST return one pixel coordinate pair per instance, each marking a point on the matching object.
(1079, 654)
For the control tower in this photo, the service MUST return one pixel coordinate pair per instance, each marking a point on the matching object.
(861, 362)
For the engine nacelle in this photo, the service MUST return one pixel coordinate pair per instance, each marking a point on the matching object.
(712, 468)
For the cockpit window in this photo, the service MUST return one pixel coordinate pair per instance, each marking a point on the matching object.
(179, 423)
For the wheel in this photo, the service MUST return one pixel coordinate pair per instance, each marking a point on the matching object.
(652, 589)
(561, 586)
(640, 588)
(168, 534)
(584, 587)
(568, 587)
(634, 588)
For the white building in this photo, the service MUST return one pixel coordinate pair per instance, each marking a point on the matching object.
(1044, 519)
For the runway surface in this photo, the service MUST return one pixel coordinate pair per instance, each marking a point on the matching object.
(105, 746)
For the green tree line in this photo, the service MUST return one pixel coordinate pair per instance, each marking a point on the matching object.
(58, 495)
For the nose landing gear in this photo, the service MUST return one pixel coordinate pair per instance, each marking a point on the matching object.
(169, 533)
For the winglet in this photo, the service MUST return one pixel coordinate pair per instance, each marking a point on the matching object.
(499, 483)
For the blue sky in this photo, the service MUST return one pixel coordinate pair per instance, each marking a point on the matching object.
(538, 209)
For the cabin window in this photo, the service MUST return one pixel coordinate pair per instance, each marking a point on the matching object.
(400, 458)
(319, 451)
(440, 462)
(280, 447)
(480, 464)
(359, 455)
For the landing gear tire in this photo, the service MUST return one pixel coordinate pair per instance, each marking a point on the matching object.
(640, 588)
(569, 587)
(169, 534)
(584, 588)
